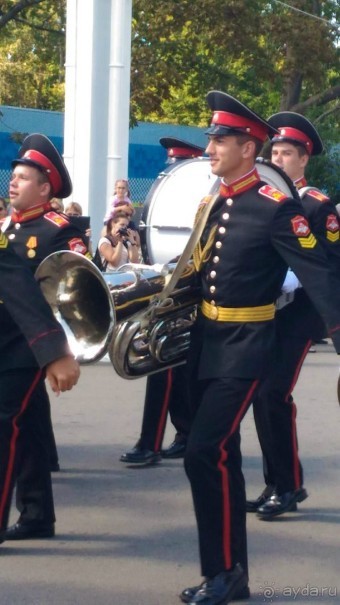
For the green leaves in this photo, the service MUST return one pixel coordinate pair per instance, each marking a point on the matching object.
(268, 55)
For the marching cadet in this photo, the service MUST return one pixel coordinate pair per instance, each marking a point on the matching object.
(253, 233)
(35, 230)
(165, 391)
(32, 344)
(297, 325)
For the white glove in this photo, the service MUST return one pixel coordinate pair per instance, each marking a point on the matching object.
(290, 283)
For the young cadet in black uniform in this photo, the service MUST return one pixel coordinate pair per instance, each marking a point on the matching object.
(253, 233)
(165, 391)
(297, 325)
(35, 230)
(32, 344)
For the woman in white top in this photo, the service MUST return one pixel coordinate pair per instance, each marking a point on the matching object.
(119, 245)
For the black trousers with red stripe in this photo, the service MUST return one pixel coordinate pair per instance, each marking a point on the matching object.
(166, 391)
(274, 407)
(24, 446)
(213, 464)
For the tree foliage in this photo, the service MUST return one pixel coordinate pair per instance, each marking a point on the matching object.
(265, 53)
(270, 54)
(32, 54)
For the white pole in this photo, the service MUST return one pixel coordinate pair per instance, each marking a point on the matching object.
(97, 99)
(119, 92)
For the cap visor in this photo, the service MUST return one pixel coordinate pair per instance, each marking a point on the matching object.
(216, 129)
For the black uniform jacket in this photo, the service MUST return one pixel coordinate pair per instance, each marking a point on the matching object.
(260, 232)
(37, 232)
(324, 222)
(30, 336)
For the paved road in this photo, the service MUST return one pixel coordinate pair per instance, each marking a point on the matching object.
(128, 537)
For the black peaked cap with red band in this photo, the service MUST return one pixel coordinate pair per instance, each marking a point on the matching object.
(231, 117)
(180, 150)
(295, 128)
(38, 151)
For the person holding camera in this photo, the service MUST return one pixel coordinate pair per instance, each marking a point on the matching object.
(119, 245)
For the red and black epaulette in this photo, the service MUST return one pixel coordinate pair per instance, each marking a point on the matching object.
(59, 220)
(317, 195)
(273, 194)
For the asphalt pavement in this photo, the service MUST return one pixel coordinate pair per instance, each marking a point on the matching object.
(128, 537)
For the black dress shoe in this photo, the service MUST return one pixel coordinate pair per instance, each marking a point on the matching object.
(253, 505)
(222, 588)
(29, 531)
(188, 593)
(140, 457)
(283, 503)
(2, 537)
(175, 450)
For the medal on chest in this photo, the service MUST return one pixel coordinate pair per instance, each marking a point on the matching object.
(31, 246)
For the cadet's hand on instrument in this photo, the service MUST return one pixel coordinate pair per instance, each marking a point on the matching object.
(63, 374)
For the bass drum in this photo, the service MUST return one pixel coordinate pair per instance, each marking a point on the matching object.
(171, 204)
(170, 208)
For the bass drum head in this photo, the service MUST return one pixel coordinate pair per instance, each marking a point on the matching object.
(170, 207)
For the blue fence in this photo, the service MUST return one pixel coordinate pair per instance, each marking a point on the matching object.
(146, 156)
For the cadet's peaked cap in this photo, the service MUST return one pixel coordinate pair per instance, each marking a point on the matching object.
(38, 151)
(295, 128)
(176, 148)
(231, 117)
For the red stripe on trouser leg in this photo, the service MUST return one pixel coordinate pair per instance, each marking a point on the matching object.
(225, 479)
(296, 463)
(164, 411)
(12, 448)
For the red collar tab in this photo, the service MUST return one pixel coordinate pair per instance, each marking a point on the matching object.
(296, 135)
(301, 182)
(181, 152)
(22, 216)
(52, 173)
(245, 182)
(231, 120)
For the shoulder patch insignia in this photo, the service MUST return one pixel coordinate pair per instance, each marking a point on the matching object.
(77, 245)
(300, 226)
(273, 194)
(58, 219)
(302, 230)
(318, 195)
(332, 228)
